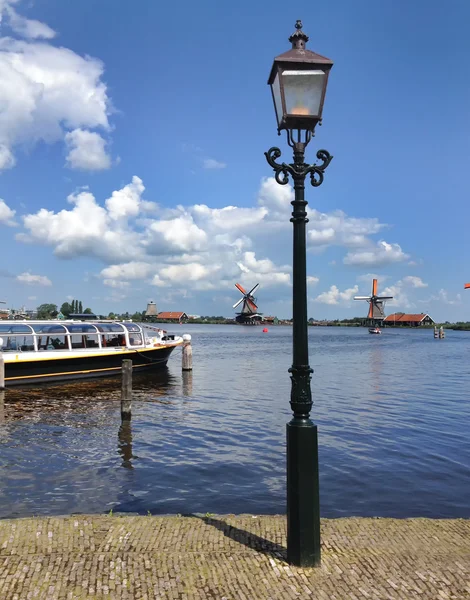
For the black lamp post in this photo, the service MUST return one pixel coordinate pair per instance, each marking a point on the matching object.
(298, 82)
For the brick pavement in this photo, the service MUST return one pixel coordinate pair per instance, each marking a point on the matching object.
(230, 558)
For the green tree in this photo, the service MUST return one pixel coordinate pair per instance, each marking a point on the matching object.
(137, 316)
(111, 315)
(73, 307)
(66, 309)
(87, 311)
(47, 311)
(80, 307)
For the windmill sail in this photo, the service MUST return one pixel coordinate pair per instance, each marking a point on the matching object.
(249, 310)
(376, 303)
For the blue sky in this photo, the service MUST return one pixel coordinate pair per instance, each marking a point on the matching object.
(132, 166)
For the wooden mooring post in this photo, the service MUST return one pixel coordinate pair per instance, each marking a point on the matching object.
(126, 390)
(187, 363)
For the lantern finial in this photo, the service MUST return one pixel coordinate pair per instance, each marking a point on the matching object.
(298, 38)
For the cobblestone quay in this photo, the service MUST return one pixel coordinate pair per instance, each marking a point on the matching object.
(230, 558)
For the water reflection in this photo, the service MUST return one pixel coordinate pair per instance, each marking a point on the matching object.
(125, 444)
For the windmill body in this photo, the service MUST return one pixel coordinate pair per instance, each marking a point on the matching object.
(376, 313)
(248, 314)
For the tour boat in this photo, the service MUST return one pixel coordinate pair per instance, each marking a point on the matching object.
(374, 330)
(43, 351)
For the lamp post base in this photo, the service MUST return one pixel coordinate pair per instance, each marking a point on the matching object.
(303, 497)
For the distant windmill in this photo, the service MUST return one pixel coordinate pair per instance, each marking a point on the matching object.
(376, 304)
(249, 314)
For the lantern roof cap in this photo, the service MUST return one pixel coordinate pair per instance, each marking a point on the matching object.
(298, 53)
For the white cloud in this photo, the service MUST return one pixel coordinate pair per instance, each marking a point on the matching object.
(443, 297)
(125, 203)
(276, 198)
(211, 163)
(262, 271)
(375, 256)
(401, 291)
(337, 228)
(127, 271)
(46, 91)
(30, 279)
(229, 217)
(89, 229)
(198, 247)
(87, 151)
(32, 297)
(28, 28)
(7, 214)
(414, 281)
(116, 284)
(7, 160)
(335, 296)
(180, 233)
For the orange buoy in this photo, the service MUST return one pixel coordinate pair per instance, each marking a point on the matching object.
(265, 330)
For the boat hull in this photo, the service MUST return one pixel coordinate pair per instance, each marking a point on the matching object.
(37, 370)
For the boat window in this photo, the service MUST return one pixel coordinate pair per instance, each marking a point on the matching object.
(135, 339)
(81, 328)
(113, 340)
(49, 329)
(110, 327)
(52, 341)
(10, 328)
(89, 340)
(17, 343)
(132, 327)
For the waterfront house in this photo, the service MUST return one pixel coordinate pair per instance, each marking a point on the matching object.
(271, 320)
(176, 317)
(408, 320)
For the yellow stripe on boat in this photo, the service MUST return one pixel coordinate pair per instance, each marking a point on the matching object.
(70, 373)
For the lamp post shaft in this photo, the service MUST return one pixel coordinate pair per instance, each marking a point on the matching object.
(303, 498)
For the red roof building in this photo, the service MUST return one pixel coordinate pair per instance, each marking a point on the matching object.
(408, 320)
(172, 316)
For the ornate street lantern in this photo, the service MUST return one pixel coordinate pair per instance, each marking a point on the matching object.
(298, 83)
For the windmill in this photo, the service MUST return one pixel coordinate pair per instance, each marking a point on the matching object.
(376, 305)
(249, 314)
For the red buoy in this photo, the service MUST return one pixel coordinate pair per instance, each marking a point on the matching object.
(265, 330)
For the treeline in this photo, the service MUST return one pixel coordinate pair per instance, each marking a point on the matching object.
(459, 326)
(50, 311)
(137, 316)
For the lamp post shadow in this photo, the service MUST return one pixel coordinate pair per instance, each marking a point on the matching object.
(246, 538)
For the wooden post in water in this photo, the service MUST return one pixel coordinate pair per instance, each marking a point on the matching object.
(126, 390)
(436, 333)
(441, 333)
(2, 367)
(187, 353)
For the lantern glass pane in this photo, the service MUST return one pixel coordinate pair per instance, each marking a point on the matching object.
(276, 88)
(303, 92)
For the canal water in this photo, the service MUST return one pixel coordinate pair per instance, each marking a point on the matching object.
(393, 413)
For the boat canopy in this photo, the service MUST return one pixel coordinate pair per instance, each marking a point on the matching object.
(64, 328)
